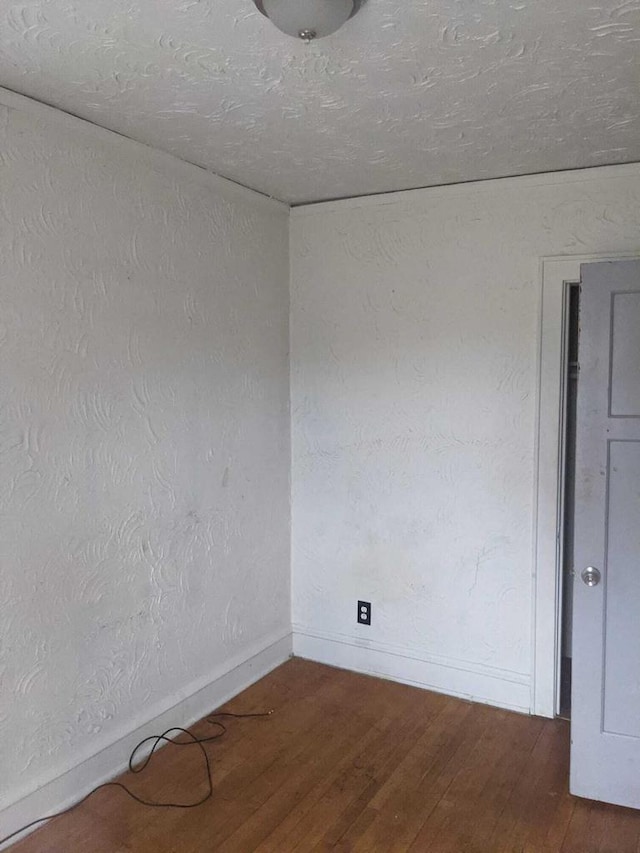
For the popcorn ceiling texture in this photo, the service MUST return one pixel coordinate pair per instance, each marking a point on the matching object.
(144, 439)
(408, 93)
(414, 327)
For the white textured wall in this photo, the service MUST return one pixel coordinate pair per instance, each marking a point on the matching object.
(144, 439)
(414, 366)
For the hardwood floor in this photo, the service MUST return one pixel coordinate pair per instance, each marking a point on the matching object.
(352, 763)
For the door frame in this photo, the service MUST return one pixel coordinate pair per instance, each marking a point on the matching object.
(556, 274)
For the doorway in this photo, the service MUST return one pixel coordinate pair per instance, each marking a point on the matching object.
(557, 274)
(571, 370)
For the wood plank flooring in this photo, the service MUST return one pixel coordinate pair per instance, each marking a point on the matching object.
(352, 763)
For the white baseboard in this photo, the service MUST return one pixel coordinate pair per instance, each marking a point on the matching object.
(111, 760)
(475, 682)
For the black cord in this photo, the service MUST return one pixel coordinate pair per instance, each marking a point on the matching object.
(156, 739)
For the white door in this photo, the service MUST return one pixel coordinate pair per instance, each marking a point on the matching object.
(605, 706)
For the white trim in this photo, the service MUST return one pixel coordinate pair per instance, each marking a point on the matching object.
(547, 575)
(110, 760)
(622, 171)
(465, 679)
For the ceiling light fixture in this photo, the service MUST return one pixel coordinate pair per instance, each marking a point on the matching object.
(308, 19)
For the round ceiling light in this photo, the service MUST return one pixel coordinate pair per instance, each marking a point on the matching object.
(308, 19)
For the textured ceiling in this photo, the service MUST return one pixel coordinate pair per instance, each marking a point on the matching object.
(409, 93)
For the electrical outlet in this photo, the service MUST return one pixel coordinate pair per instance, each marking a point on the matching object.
(364, 612)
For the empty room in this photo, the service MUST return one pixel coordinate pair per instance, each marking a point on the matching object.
(319, 382)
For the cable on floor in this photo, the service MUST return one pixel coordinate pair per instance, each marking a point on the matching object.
(156, 740)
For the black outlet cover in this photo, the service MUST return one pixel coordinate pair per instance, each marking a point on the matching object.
(364, 612)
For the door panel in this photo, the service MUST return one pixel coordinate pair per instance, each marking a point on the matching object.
(625, 355)
(622, 596)
(605, 751)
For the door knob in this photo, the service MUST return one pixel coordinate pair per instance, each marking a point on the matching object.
(591, 576)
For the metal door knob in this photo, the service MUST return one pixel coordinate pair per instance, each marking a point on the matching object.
(591, 576)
